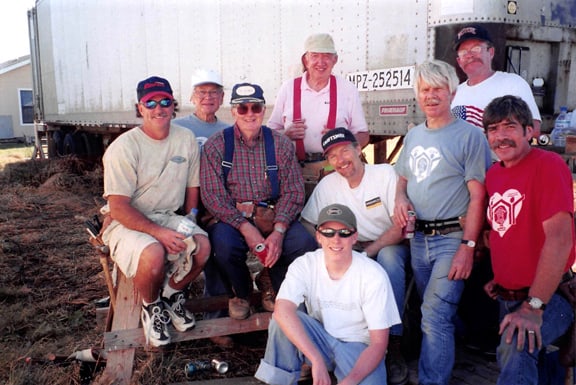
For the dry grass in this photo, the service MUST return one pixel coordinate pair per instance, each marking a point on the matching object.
(51, 278)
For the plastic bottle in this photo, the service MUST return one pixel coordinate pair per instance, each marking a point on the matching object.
(561, 125)
(188, 223)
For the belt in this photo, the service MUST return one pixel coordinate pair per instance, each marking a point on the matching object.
(522, 294)
(312, 157)
(441, 226)
(511, 295)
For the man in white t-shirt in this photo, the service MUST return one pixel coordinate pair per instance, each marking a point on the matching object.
(369, 191)
(475, 52)
(349, 310)
(150, 172)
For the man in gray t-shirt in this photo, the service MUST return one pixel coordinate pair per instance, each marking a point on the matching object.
(207, 97)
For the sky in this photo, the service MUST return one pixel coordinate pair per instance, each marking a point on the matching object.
(14, 29)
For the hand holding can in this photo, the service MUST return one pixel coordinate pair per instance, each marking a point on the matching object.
(410, 227)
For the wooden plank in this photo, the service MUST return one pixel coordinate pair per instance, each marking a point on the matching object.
(126, 316)
(133, 338)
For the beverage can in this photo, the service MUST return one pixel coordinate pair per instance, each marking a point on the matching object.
(410, 225)
(261, 251)
(220, 366)
(195, 366)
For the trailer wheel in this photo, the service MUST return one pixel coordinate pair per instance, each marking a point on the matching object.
(58, 140)
(69, 147)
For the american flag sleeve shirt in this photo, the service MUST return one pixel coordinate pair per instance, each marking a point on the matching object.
(247, 181)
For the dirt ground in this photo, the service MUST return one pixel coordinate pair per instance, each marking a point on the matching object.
(51, 280)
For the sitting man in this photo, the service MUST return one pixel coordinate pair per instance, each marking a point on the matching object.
(248, 169)
(369, 191)
(349, 310)
(150, 172)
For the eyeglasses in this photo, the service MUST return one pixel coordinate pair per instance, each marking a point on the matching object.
(203, 94)
(330, 233)
(243, 108)
(473, 51)
(164, 103)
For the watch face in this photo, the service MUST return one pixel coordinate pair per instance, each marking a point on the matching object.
(535, 303)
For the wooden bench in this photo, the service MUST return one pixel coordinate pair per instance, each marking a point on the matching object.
(123, 335)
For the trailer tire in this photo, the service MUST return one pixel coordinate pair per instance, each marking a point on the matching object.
(69, 147)
(58, 140)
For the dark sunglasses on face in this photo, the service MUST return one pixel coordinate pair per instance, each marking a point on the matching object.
(164, 103)
(329, 233)
(243, 108)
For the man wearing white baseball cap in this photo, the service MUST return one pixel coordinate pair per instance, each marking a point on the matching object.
(207, 97)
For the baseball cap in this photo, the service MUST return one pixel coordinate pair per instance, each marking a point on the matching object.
(247, 93)
(320, 43)
(337, 213)
(203, 76)
(153, 86)
(336, 136)
(471, 32)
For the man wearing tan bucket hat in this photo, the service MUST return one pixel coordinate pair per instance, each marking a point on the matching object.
(310, 105)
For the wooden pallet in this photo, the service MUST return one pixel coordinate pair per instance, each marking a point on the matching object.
(125, 335)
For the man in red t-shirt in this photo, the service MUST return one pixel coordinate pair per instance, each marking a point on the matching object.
(530, 211)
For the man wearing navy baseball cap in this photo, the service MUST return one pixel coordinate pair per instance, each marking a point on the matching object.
(150, 172)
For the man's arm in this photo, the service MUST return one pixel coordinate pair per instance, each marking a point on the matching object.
(363, 138)
(553, 258)
(392, 236)
(192, 198)
(401, 203)
(370, 358)
(463, 259)
(286, 317)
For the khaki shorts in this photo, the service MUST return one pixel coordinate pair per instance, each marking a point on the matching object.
(127, 245)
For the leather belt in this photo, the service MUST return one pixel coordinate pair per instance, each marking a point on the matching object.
(511, 295)
(442, 226)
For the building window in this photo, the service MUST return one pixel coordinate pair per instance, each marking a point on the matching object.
(26, 107)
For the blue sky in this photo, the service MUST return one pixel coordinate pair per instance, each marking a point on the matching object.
(14, 29)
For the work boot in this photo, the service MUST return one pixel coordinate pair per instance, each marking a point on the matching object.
(264, 284)
(396, 367)
(238, 308)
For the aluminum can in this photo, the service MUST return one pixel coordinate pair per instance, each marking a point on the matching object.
(261, 251)
(196, 366)
(410, 225)
(220, 366)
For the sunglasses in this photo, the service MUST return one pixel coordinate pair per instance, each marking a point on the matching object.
(242, 109)
(164, 103)
(330, 233)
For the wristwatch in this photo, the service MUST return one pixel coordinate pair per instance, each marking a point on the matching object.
(468, 243)
(536, 303)
(280, 229)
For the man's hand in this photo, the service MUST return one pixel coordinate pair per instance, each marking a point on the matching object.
(296, 130)
(274, 244)
(490, 289)
(461, 263)
(527, 323)
(172, 240)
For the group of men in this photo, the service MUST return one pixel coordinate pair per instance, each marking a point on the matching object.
(336, 263)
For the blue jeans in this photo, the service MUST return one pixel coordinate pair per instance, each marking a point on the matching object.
(282, 360)
(226, 271)
(521, 367)
(431, 261)
(394, 259)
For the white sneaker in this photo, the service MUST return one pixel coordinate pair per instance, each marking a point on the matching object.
(155, 320)
(182, 319)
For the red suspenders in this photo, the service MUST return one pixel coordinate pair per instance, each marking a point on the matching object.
(331, 123)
